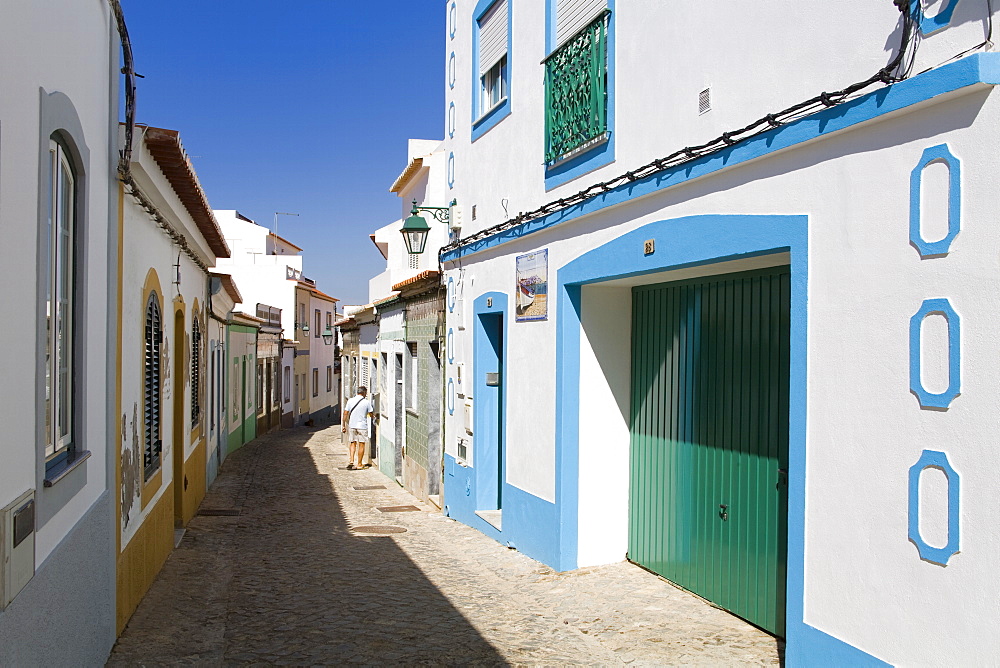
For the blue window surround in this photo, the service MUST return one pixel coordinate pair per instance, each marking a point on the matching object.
(481, 124)
(937, 555)
(601, 154)
(939, 153)
(931, 24)
(980, 68)
(927, 399)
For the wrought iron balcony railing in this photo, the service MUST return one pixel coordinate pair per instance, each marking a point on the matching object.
(576, 91)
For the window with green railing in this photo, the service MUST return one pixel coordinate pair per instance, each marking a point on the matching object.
(576, 91)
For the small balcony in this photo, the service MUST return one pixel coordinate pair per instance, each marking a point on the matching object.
(576, 93)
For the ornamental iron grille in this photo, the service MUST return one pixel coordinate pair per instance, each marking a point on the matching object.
(576, 91)
(153, 446)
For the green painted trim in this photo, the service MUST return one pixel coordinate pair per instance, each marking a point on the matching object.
(243, 328)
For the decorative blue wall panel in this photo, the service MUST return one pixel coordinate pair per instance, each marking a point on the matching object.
(931, 24)
(937, 555)
(939, 153)
(942, 399)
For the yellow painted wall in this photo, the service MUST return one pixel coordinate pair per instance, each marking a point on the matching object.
(194, 471)
(143, 557)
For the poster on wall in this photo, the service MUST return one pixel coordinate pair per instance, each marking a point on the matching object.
(531, 292)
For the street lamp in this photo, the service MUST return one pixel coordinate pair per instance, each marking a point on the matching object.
(415, 228)
(327, 336)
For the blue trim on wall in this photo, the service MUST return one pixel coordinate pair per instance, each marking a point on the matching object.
(601, 154)
(452, 70)
(483, 123)
(975, 69)
(451, 396)
(450, 342)
(451, 170)
(939, 153)
(815, 648)
(685, 242)
(928, 399)
(452, 119)
(937, 555)
(931, 24)
(530, 524)
(452, 20)
(451, 294)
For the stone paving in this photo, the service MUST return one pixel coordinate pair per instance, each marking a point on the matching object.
(289, 581)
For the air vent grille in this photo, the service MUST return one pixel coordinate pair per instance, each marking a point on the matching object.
(705, 101)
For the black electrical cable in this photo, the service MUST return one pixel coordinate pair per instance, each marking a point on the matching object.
(891, 73)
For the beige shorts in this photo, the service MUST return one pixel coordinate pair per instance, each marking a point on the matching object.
(357, 435)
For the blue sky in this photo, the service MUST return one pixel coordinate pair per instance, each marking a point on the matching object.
(302, 107)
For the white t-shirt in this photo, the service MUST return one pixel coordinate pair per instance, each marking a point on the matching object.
(358, 409)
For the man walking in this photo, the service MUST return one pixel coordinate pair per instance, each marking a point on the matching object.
(355, 419)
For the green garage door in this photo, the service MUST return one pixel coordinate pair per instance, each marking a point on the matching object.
(708, 499)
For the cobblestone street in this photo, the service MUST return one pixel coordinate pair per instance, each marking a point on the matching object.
(289, 580)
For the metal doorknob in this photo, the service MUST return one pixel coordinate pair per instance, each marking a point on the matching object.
(724, 512)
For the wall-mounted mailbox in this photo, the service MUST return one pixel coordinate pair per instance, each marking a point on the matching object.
(492, 379)
(17, 546)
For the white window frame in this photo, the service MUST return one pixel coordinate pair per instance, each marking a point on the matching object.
(493, 61)
(412, 371)
(493, 86)
(59, 304)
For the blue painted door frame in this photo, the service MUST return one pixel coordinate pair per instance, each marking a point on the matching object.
(489, 414)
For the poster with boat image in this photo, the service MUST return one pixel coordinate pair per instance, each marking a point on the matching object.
(531, 300)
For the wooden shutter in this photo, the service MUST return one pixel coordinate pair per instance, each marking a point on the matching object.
(571, 15)
(151, 386)
(492, 36)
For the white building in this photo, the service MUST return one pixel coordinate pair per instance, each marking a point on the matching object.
(317, 388)
(705, 318)
(222, 299)
(265, 266)
(58, 156)
(169, 241)
(409, 305)
(268, 270)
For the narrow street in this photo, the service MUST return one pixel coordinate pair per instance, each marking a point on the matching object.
(276, 569)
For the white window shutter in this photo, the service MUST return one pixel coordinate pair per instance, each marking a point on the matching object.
(492, 36)
(571, 15)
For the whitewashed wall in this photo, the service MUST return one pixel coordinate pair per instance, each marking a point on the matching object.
(59, 51)
(864, 581)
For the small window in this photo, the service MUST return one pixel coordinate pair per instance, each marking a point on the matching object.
(288, 384)
(152, 443)
(494, 86)
(60, 326)
(261, 406)
(329, 378)
(315, 382)
(211, 389)
(318, 330)
(195, 372)
(412, 373)
(493, 36)
(273, 370)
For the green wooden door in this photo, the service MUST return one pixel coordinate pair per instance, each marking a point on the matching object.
(708, 498)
